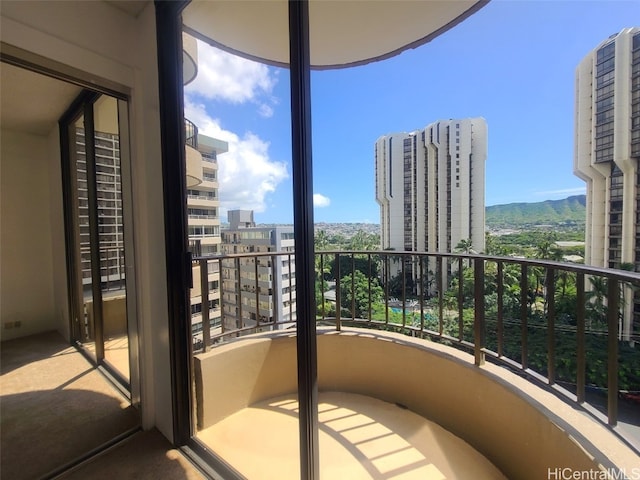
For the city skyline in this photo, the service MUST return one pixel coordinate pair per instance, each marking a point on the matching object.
(512, 63)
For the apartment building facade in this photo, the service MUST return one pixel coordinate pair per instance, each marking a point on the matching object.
(260, 289)
(430, 188)
(607, 150)
(203, 204)
(102, 185)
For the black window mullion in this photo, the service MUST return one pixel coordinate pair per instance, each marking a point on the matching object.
(94, 229)
(300, 72)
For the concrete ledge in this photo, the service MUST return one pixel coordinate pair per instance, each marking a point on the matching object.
(522, 429)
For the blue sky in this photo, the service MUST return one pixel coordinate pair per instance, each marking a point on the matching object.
(512, 63)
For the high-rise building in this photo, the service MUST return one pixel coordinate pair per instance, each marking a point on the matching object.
(262, 288)
(430, 188)
(607, 150)
(203, 206)
(106, 191)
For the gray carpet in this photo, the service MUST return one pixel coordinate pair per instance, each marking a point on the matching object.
(55, 406)
(144, 456)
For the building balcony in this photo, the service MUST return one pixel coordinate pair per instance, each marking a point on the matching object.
(470, 367)
(202, 201)
(193, 156)
(190, 58)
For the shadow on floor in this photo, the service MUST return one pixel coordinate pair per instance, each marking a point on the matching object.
(56, 406)
(144, 456)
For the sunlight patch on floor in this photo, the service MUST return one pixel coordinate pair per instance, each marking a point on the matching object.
(360, 438)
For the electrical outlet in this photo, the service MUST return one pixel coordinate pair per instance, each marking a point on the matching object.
(17, 323)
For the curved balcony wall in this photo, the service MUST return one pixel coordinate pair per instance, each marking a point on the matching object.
(194, 166)
(190, 58)
(523, 430)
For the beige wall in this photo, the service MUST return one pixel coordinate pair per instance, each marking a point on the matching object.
(98, 43)
(521, 428)
(56, 214)
(26, 257)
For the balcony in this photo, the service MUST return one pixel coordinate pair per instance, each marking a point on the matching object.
(498, 366)
(193, 156)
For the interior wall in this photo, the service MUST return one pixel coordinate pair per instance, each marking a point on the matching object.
(101, 44)
(26, 295)
(57, 246)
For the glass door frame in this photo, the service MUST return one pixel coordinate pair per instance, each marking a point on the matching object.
(83, 107)
(178, 261)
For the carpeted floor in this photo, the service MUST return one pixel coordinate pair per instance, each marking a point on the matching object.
(55, 405)
(144, 456)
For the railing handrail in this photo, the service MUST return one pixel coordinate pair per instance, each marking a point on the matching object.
(621, 275)
(424, 311)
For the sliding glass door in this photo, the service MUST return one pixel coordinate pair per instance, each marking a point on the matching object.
(95, 160)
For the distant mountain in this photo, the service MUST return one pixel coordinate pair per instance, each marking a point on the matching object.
(567, 211)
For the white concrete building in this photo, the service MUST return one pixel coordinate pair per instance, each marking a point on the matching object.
(607, 149)
(203, 204)
(268, 297)
(430, 187)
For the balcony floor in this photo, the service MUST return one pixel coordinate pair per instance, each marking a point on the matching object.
(360, 438)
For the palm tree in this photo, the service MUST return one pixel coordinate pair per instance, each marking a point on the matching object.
(363, 241)
(465, 246)
(321, 240)
(595, 297)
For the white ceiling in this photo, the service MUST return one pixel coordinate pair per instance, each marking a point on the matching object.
(31, 102)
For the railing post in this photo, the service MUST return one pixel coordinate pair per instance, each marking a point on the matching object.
(291, 290)
(612, 350)
(440, 295)
(324, 313)
(204, 292)
(460, 299)
(581, 363)
(551, 326)
(404, 292)
(524, 290)
(479, 322)
(256, 259)
(500, 332)
(338, 294)
(239, 320)
(386, 289)
(353, 286)
(369, 285)
(221, 288)
(422, 283)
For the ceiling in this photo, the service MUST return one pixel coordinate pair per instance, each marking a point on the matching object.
(31, 102)
(131, 7)
(342, 33)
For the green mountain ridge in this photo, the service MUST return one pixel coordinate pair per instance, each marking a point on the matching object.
(571, 210)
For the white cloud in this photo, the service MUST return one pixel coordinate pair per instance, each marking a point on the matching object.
(246, 173)
(265, 110)
(222, 76)
(564, 191)
(320, 200)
